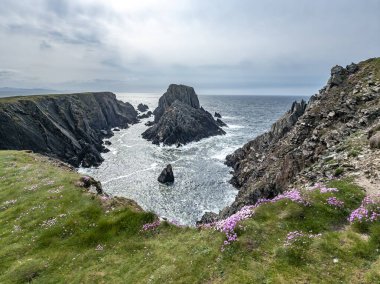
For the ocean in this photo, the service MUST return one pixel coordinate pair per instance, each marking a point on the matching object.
(201, 184)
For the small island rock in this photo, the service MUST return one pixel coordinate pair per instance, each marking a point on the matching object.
(166, 175)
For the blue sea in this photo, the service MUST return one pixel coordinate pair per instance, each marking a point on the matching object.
(201, 182)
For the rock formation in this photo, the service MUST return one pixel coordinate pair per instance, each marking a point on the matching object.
(166, 175)
(218, 115)
(297, 144)
(179, 119)
(142, 108)
(220, 123)
(69, 127)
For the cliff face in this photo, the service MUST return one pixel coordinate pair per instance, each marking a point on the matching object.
(179, 119)
(298, 142)
(174, 93)
(69, 127)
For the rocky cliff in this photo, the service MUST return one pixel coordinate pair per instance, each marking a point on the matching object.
(179, 119)
(69, 127)
(299, 144)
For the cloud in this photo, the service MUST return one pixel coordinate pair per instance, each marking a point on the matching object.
(216, 44)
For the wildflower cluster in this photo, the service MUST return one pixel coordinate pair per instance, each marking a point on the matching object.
(151, 226)
(228, 225)
(323, 189)
(369, 210)
(335, 202)
(294, 236)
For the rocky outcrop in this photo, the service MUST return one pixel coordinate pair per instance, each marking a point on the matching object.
(179, 119)
(166, 175)
(218, 115)
(220, 123)
(174, 93)
(145, 115)
(142, 107)
(69, 127)
(267, 165)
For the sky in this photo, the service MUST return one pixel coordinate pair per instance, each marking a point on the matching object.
(216, 46)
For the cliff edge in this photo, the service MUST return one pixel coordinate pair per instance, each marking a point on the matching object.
(299, 144)
(69, 127)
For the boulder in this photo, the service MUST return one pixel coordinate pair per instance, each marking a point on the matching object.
(217, 114)
(107, 142)
(338, 75)
(352, 68)
(142, 108)
(180, 119)
(374, 141)
(166, 175)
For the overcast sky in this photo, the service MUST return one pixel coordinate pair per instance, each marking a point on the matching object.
(217, 46)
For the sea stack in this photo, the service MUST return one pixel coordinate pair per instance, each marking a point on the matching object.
(166, 175)
(179, 118)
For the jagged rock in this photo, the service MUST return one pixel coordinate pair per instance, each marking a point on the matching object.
(145, 115)
(220, 123)
(338, 75)
(149, 123)
(181, 120)
(218, 115)
(142, 108)
(207, 218)
(352, 68)
(300, 139)
(166, 175)
(68, 127)
(174, 93)
(374, 141)
(107, 142)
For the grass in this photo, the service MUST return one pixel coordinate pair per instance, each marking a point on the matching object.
(50, 230)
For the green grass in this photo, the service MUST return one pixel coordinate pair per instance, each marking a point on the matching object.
(66, 251)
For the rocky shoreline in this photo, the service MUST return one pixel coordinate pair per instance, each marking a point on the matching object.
(69, 127)
(299, 142)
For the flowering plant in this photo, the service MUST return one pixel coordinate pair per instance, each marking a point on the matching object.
(368, 211)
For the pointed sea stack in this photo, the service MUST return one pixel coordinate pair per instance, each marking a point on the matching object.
(179, 118)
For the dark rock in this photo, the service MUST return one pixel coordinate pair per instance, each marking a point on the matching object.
(116, 129)
(68, 127)
(166, 175)
(220, 123)
(352, 68)
(145, 115)
(338, 75)
(142, 107)
(182, 124)
(208, 218)
(149, 123)
(107, 142)
(175, 92)
(179, 119)
(217, 114)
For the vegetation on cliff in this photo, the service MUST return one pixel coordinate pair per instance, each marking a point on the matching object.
(53, 230)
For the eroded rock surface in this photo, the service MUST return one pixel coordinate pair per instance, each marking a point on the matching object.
(179, 119)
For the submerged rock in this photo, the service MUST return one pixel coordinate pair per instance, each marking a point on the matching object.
(180, 119)
(166, 175)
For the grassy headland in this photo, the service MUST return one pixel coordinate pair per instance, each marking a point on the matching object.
(53, 231)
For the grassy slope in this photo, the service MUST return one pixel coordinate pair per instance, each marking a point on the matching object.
(66, 251)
